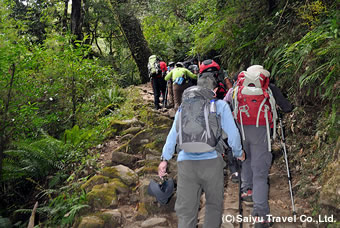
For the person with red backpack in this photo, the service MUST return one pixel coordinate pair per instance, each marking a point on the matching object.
(157, 69)
(210, 67)
(254, 107)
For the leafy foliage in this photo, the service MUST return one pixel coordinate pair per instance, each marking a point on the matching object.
(72, 90)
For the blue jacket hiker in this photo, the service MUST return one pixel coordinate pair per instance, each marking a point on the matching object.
(201, 171)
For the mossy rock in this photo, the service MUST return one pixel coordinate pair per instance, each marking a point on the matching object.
(330, 192)
(120, 186)
(121, 125)
(91, 221)
(95, 180)
(103, 196)
(110, 172)
(147, 170)
(147, 139)
(162, 120)
(147, 203)
(131, 130)
(142, 213)
(124, 173)
(123, 158)
(112, 218)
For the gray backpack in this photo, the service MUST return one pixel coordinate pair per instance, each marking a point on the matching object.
(198, 125)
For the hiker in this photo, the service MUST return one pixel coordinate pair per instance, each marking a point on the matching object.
(252, 94)
(193, 67)
(210, 67)
(179, 76)
(171, 66)
(200, 164)
(157, 79)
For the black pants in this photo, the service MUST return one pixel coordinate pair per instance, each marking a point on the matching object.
(158, 86)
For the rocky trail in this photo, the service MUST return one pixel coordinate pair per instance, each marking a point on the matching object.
(135, 208)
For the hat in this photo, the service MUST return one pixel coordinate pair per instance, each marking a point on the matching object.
(209, 66)
(179, 64)
(207, 80)
(162, 191)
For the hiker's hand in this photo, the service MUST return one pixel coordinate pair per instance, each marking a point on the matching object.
(243, 157)
(162, 169)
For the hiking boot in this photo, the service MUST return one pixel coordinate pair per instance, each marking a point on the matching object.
(247, 196)
(234, 177)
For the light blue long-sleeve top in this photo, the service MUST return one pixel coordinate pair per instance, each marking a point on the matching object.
(229, 127)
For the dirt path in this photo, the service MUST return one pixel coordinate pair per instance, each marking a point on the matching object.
(279, 197)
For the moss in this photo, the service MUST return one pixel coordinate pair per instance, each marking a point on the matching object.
(91, 222)
(95, 180)
(110, 172)
(106, 110)
(142, 210)
(103, 196)
(119, 185)
(148, 170)
(131, 130)
(119, 125)
(330, 191)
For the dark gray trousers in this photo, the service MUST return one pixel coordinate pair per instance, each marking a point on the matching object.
(255, 168)
(193, 177)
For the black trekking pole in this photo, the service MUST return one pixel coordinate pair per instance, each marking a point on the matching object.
(240, 208)
(283, 143)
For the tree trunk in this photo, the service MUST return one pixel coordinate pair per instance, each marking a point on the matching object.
(76, 24)
(131, 28)
(64, 20)
(86, 23)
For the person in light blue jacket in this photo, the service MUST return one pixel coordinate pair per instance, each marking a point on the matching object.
(199, 172)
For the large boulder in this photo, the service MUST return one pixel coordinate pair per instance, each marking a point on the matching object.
(124, 173)
(123, 158)
(103, 196)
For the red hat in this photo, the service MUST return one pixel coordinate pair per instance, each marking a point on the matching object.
(208, 66)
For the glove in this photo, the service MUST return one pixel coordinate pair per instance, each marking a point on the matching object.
(162, 169)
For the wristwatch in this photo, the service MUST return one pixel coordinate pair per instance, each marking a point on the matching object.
(163, 159)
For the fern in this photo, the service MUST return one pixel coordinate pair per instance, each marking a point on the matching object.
(34, 160)
(77, 136)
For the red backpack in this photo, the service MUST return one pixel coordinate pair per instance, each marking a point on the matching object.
(253, 100)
